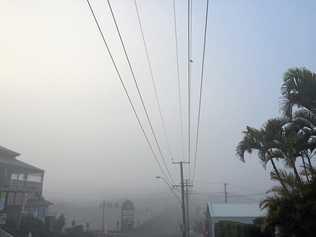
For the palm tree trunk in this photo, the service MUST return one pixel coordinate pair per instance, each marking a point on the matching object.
(278, 174)
(305, 169)
(310, 165)
(309, 162)
(296, 173)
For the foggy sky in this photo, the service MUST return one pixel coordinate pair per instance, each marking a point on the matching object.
(64, 110)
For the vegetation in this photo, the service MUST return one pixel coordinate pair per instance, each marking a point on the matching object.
(288, 143)
(53, 228)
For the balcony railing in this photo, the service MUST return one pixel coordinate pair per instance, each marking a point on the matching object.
(23, 186)
(4, 233)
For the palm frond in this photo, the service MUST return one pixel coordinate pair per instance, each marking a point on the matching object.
(298, 89)
(251, 141)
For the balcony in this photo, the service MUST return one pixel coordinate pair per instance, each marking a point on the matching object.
(23, 186)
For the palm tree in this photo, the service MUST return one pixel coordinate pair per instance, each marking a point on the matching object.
(298, 89)
(291, 205)
(294, 211)
(266, 142)
(285, 139)
(307, 122)
(302, 130)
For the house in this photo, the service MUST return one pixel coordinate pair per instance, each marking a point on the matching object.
(235, 212)
(21, 187)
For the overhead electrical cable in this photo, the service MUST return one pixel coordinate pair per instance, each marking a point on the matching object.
(189, 84)
(139, 92)
(201, 89)
(172, 190)
(163, 123)
(178, 77)
(125, 89)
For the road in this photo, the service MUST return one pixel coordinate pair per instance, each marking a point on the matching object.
(164, 225)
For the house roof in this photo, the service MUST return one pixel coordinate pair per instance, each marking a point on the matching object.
(8, 158)
(7, 152)
(38, 202)
(234, 210)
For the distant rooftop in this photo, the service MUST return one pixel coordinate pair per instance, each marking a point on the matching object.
(128, 205)
(234, 210)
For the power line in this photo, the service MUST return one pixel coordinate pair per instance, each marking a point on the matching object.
(189, 84)
(206, 194)
(246, 188)
(249, 194)
(178, 75)
(191, 11)
(175, 194)
(153, 79)
(208, 182)
(241, 188)
(138, 91)
(246, 196)
(125, 89)
(201, 89)
(171, 188)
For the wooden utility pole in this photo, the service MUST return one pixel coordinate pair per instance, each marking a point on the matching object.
(103, 221)
(187, 186)
(185, 227)
(225, 191)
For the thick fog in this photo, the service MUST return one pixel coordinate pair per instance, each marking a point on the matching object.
(64, 109)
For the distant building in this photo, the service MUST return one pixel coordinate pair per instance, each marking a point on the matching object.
(127, 216)
(21, 187)
(236, 212)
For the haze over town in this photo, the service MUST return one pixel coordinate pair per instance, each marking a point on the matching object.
(64, 110)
